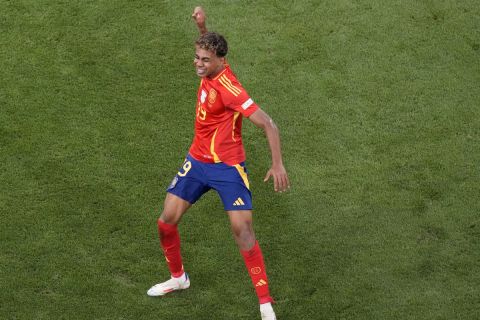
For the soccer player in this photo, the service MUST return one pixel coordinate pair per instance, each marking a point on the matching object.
(216, 161)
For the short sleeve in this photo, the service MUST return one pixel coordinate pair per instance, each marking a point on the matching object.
(235, 97)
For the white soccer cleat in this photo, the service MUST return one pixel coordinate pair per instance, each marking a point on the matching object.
(267, 312)
(173, 284)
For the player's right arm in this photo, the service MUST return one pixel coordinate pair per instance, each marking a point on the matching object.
(199, 16)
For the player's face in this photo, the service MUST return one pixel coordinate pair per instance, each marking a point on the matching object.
(206, 63)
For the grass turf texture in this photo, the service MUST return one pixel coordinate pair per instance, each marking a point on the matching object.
(378, 106)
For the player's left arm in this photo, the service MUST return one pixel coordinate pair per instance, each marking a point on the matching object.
(277, 171)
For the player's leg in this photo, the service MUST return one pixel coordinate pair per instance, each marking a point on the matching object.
(241, 223)
(174, 208)
(231, 183)
(186, 188)
(242, 228)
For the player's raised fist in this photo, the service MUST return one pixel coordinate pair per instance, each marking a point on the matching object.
(199, 15)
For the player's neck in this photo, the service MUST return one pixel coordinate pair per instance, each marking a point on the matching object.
(217, 72)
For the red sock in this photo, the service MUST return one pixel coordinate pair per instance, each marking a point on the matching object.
(170, 241)
(256, 269)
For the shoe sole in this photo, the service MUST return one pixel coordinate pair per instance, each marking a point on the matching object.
(168, 291)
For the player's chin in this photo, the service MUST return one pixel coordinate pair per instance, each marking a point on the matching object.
(201, 73)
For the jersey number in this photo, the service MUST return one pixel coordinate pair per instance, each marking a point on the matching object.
(186, 167)
(201, 113)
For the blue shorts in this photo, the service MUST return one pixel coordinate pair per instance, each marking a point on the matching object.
(231, 183)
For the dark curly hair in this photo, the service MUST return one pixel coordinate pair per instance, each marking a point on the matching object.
(214, 42)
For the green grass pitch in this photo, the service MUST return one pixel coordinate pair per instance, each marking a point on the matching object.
(378, 103)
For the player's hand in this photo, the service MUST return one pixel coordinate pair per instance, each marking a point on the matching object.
(199, 16)
(280, 178)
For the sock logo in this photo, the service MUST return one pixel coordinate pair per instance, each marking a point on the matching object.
(239, 202)
(261, 283)
(256, 270)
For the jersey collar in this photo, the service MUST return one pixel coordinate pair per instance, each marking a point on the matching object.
(226, 65)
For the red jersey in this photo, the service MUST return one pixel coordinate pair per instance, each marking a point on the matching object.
(221, 104)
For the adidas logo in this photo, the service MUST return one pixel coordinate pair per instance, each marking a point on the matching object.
(261, 283)
(239, 202)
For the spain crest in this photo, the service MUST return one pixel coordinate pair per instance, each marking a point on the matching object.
(212, 96)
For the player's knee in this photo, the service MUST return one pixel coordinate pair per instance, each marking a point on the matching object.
(244, 233)
(164, 228)
(168, 216)
(173, 209)
(244, 230)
